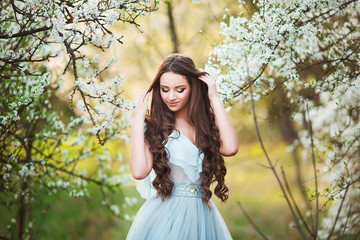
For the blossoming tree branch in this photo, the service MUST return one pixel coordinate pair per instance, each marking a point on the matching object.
(41, 150)
(306, 53)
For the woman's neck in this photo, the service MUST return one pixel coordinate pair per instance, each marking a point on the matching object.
(182, 114)
(182, 124)
(181, 118)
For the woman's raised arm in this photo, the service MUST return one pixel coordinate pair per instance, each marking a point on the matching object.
(141, 160)
(229, 141)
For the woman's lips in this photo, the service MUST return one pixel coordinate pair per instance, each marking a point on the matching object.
(172, 104)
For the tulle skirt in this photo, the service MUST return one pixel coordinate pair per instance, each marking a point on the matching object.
(183, 216)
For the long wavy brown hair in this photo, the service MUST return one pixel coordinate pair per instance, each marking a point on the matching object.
(160, 122)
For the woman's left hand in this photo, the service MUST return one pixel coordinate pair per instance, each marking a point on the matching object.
(228, 138)
(212, 92)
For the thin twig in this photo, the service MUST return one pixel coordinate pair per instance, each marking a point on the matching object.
(264, 166)
(296, 219)
(315, 174)
(347, 219)
(294, 203)
(338, 214)
(251, 221)
(24, 33)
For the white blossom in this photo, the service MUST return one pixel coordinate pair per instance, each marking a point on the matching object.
(115, 209)
(96, 39)
(127, 217)
(280, 41)
(95, 58)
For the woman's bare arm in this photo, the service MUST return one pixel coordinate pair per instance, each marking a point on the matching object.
(229, 141)
(141, 160)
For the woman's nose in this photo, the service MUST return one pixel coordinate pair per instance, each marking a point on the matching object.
(172, 95)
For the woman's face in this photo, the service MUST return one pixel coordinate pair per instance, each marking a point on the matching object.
(175, 92)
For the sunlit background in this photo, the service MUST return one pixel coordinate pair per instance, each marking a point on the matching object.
(248, 178)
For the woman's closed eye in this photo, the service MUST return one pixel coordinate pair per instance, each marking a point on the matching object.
(180, 90)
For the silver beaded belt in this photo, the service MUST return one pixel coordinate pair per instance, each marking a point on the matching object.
(188, 190)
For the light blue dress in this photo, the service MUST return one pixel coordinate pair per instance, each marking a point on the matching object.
(183, 216)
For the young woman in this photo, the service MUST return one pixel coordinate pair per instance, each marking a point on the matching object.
(179, 154)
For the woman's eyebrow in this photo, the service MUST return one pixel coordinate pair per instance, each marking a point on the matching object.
(180, 86)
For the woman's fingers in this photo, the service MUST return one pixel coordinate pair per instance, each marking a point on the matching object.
(143, 97)
(206, 78)
(147, 94)
(212, 92)
(142, 103)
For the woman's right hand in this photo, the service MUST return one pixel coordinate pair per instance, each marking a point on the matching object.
(141, 160)
(142, 105)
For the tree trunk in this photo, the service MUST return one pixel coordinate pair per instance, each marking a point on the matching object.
(22, 212)
(280, 110)
(30, 217)
(172, 29)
